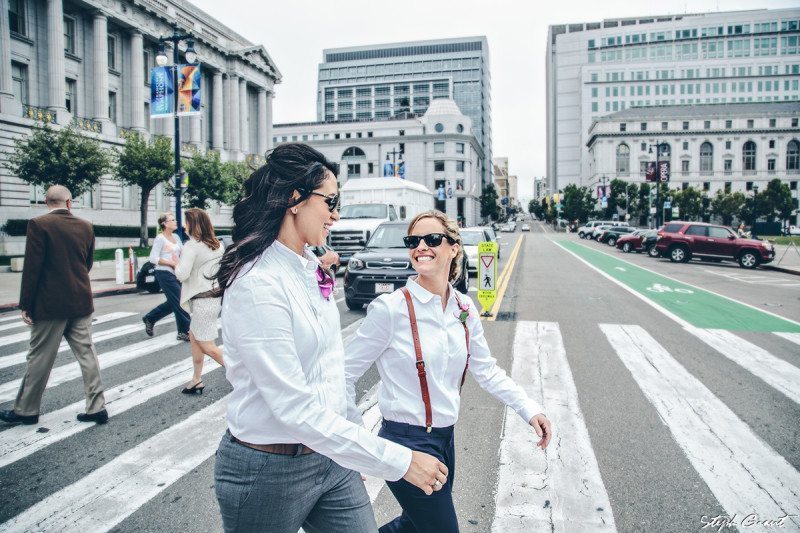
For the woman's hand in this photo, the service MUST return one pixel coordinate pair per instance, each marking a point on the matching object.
(541, 425)
(426, 472)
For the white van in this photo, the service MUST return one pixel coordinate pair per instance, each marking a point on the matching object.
(585, 231)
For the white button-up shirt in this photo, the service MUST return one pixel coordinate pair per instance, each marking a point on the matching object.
(385, 338)
(283, 355)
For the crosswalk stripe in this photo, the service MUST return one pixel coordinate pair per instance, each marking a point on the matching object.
(792, 337)
(26, 335)
(10, 318)
(776, 372)
(743, 472)
(567, 474)
(21, 441)
(100, 336)
(18, 324)
(108, 495)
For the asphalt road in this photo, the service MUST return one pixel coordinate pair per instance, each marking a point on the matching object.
(709, 426)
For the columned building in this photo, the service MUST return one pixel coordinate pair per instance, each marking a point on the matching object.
(72, 64)
(729, 147)
(500, 177)
(437, 149)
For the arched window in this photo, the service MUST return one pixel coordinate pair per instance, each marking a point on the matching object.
(353, 151)
(623, 160)
(706, 158)
(793, 157)
(749, 156)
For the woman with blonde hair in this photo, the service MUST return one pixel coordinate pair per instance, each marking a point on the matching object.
(196, 270)
(424, 338)
(164, 255)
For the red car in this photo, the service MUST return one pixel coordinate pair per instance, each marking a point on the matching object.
(640, 240)
(681, 241)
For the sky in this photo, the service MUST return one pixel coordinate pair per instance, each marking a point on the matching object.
(295, 32)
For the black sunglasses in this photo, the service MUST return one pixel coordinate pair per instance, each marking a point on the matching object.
(332, 201)
(431, 239)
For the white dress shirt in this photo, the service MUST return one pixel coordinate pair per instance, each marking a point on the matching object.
(385, 338)
(165, 249)
(283, 355)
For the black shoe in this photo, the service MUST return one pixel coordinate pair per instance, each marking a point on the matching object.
(100, 417)
(148, 326)
(183, 337)
(197, 388)
(11, 417)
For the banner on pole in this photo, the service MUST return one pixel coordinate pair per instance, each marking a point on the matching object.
(188, 90)
(162, 93)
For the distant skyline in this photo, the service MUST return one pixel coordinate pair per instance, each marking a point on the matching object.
(296, 33)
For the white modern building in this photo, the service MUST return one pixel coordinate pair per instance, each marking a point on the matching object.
(72, 63)
(438, 150)
(598, 68)
(733, 147)
(380, 81)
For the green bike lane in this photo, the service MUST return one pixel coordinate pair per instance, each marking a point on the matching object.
(687, 303)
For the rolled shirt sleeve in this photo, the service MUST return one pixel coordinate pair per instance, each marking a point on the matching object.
(155, 251)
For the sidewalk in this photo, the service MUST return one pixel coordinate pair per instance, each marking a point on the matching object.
(787, 259)
(102, 276)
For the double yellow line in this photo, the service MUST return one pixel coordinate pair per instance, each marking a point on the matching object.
(502, 282)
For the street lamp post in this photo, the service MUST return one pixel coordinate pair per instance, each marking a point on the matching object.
(755, 212)
(659, 207)
(161, 60)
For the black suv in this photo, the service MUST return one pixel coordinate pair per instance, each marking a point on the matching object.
(384, 266)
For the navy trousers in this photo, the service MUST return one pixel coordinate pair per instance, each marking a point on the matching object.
(172, 290)
(422, 513)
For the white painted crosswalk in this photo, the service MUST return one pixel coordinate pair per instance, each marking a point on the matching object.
(26, 335)
(561, 489)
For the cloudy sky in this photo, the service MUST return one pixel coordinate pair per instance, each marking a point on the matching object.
(295, 32)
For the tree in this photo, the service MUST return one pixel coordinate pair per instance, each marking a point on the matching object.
(235, 173)
(489, 207)
(206, 180)
(536, 209)
(577, 203)
(690, 203)
(145, 164)
(727, 206)
(777, 201)
(59, 157)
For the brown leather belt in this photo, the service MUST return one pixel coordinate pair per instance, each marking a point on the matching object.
(280, 449)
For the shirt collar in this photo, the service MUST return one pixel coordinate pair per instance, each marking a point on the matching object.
(306, 262)
(422, 294)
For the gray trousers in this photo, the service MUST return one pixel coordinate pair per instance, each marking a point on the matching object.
(259, 491)
(45, 338)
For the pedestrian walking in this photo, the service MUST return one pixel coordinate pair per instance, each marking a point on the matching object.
(56, 301)
(290, 456)
(164, 255)
(199, 297)
(424, 338)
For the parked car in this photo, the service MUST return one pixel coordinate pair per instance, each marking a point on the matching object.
(490, 236)
(525, 227)
(383, 266)
(613, 233)
(790, 230)
(598, 231)
(585, 231)
(641, 240)
(471, 237)
(682, 241)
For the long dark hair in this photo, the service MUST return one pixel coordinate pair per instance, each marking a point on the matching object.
(200, 227)
(267, 195)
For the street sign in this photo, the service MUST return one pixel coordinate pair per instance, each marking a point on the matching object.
(667, 204)
(487, 274)
(653, 210)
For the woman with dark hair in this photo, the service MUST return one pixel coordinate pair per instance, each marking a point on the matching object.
(195, 270)
(290, 456)
(164, 255)
(424, 338)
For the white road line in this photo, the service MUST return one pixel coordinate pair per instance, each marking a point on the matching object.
(108, 495)
(21, 441)
(776, 372)
(560, 489)
(26, 335)
(107, 334)
(792, 337)
(19, 324)
(15, 317)
(743, 472)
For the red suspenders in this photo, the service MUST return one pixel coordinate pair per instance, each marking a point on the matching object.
(423, 380)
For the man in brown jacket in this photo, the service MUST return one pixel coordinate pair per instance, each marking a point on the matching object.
(56, 301)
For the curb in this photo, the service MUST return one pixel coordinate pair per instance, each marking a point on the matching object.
(101, 293)
(781, 269)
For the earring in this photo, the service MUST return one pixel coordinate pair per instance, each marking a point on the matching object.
(294, 210)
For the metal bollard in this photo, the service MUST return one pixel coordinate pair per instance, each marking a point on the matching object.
(119, 262)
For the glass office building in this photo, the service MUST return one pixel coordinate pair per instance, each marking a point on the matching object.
(384, 81)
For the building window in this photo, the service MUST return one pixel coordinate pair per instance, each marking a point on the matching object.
(439, 127)
(706, 185)
(706, 158)
(707, 125)
(686, 124)
(146, 66)
(728, 124)
(623, 127)
(685, 145)
(438, 148)
(353, 151)
(401, 133)
(112, 52)
(459, 148)
(643, 147)
(16, 17)
(728, 166)
(71, 96)
(727, 187)
(69, 35)
(793, 157)
(438, 166)
(354, 170)
(794, 122)
(19, 81)
(772, 123)
(37, 194)
(727, 145)
(770, 166)
(750, 123)
(685, 166)
(371, 169)
(126, 197)
(459, 166)
(748, 186)
(643, 168)
(643, 126)
(664, 126)
(623, 160)
(749, 156)
(112, 106)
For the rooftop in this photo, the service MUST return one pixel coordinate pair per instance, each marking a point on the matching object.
(705, 110)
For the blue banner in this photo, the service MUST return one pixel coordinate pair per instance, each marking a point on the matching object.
(162, 92)
(388, 169)
(401, 171)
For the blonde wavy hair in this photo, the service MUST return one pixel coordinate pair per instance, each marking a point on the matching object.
(450, 228)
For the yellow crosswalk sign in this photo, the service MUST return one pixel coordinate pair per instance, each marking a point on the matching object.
(487, 275)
